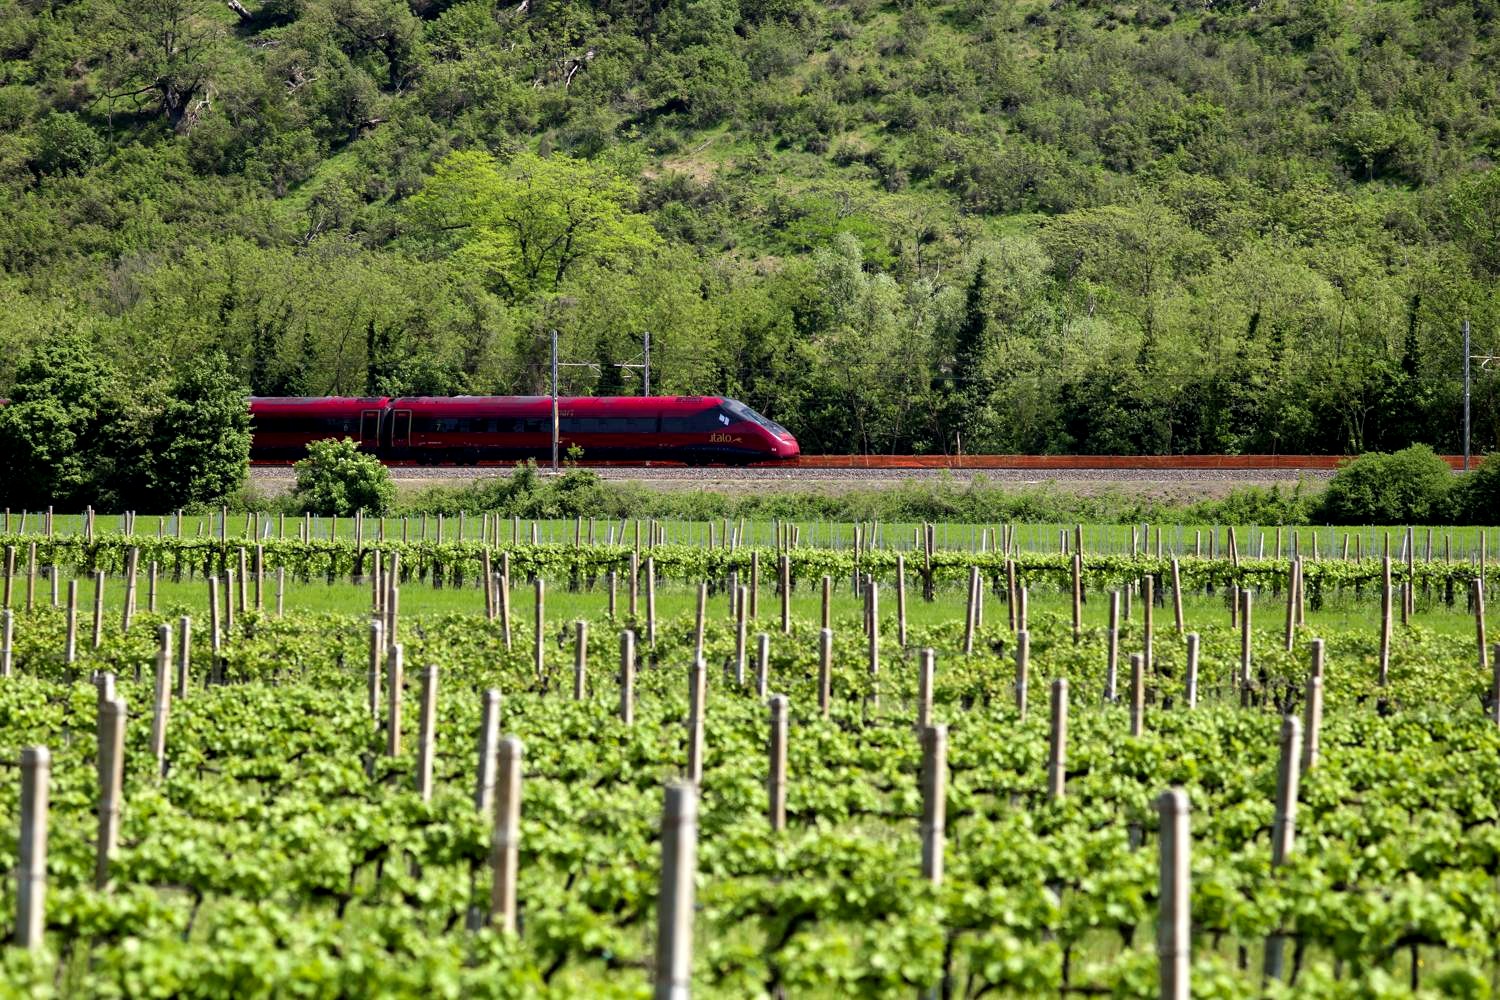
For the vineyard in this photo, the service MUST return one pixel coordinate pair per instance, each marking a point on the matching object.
(672, 762)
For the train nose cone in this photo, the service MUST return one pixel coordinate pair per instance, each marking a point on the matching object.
(787, 448)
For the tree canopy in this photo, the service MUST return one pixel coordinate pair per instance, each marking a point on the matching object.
(1070, 227)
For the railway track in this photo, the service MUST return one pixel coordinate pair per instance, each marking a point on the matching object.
(1039, 464)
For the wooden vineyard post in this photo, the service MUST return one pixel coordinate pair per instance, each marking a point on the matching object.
(30, 576)
(505, 842)
(31, 861)
(152, 576)
(934, 801)
(698, 621)
(427, 732)
(786, 594)
(280, 591)
(1385, 621)
(627, 677)
(777, 783)
(697, 710)
(184, 654)
(393, 684)
(827, 601)
(489, 739)
(1177, 594)
(1291, 607)
(487, 575)
(391, 607)
(874, 644)
(228, 604)
(1191, 692)
(70, 643)
(163, 706)
(675, 901)
(1112, 666)
(7, 640)
(741, 635)
(1023, 671)
(613, 583)
(111, 785)
(1077, 598)
(580, 659)
(926, 673)
(825, 670)
(1313, 726)
(1057, 758)
(10, 572)
(970, 611)
(927, 545)
(651, 603)
(1284, 825)
(1409, 588)
(214, 626)
(1247, 599)
(244, 597)
(900, 600)
(762, 663)
(634, 589)
(1479, 629)
(98, 634)
(755, 583)
(1137, 694)
(1174, 919)
(1023, 613)
(377, 655)
(132, 568)
(378, 584)
(1148, 621)
(503, 583)
(541, 626)
(1012, 597)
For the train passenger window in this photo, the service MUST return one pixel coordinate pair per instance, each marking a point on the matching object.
(703, 422)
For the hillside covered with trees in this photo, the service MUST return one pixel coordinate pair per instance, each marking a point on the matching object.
(1069, 226)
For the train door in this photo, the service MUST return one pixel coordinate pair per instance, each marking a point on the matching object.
(401, 429)
(369, 430)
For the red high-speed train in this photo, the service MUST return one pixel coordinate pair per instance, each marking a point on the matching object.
(466, 430)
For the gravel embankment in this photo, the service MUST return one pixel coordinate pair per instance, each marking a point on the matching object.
(1155, 484)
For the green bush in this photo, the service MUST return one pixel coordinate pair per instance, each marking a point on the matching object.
(1476, 498)
(1410, 486)
(335, 478)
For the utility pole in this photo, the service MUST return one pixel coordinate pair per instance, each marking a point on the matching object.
(647, 375)
(556, 427)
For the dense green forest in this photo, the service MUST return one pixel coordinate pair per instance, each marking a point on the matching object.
(1070, 226)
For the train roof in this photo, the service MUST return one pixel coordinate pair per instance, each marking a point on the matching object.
(318, 405)
(575, 405)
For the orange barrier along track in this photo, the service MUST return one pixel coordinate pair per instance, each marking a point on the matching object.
(1043, 463)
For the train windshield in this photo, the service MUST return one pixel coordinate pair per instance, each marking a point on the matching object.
(740, 411)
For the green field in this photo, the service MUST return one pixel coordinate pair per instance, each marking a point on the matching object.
(287, 851)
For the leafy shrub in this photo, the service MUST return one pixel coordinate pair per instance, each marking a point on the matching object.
(335, 478)
(77, 432)
(1476, 497)
(1410, 486)
(65, 144)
